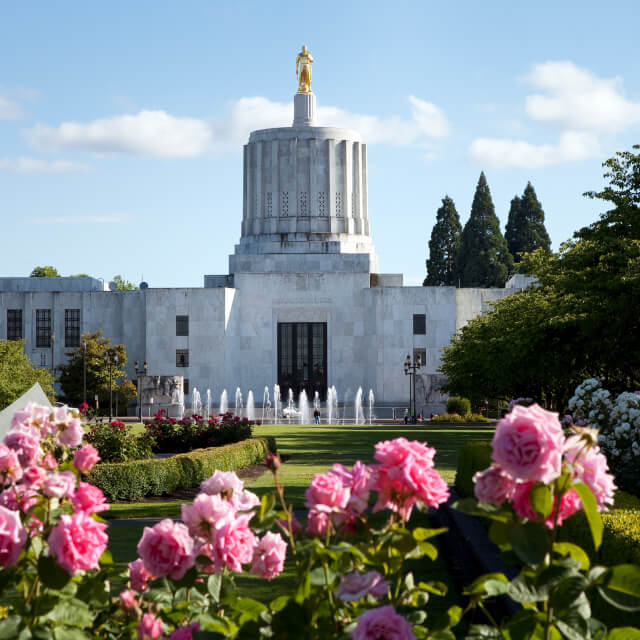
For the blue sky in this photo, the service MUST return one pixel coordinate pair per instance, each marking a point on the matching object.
(122, 124)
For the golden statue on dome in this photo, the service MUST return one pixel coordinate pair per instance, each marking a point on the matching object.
(303, 63)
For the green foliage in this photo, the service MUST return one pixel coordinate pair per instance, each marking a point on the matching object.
(160, 476)
(71, 373)
(525, 230)
(122, 284)
(18, 375)
(484, 259)
(459, 405)
(473, 457)
(444, 246)
(44, 272)
(456, 418)
(116, 442)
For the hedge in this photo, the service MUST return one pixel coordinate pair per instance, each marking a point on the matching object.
(459, 405)
(474, 418)
(159, 476)
(474, 456)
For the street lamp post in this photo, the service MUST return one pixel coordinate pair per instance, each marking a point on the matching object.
(410, 369)
(111, 358)
(53, 342)
(140, 372)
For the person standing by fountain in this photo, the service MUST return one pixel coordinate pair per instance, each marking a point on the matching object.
(316, 415)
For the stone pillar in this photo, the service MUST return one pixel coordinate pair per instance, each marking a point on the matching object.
(304, 110)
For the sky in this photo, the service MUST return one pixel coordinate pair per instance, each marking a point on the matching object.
(122, 124)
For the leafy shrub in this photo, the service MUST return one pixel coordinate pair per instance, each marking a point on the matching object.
(459, 405)
(195, 432)
(159, 476)
(455, 417)
(115, 442)
(474, 456)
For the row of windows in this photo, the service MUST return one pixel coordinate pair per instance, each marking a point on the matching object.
(44, 328)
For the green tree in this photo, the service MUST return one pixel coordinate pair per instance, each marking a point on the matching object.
(444, 246)
(525, 230)
(79, 275)
(71, 374)
(44, 272)
(122, 284)
(484, 259)
(18, 375)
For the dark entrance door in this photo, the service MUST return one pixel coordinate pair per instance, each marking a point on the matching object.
(302, 358)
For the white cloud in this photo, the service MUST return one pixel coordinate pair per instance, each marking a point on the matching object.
(154, 133)
(576, 98)
(503, 152)
(158, 133)
(27, 165)
(9, 109)
(79, 220)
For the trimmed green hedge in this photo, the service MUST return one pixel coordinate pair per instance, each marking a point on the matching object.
(474, 456)
(474, 418)
(459, 405)
(159, 476)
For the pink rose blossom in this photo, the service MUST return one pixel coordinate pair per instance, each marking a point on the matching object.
(78, 541)
(327, 493)
(493, 485)
(34, 477)
(361, 479)
(70, 431)
(49, 462)
(25, 441)
(128, 600)
(185, 633)
(355, 586)
(10, 468)
(27, 498)
(269, 555)
(589, 465)
(150, 627)
(60, 485)
(138, 575)
(569, 504)
(35, 527)
(382, 624)
(167, 549)
(85, 458)
(317, 523)
(10, 499)
(244, 500)
(395, 452)
(206, 510)
(225, 482)
(33, 415)
(89, 499)
(528, 444)
(233, 543)
(12, 537)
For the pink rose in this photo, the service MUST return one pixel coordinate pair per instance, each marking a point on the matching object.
(589, 465)
(233, 543)
(244, 500)
(327, 493)
(138, 575)
(150, 627)
(185, 633)
(10, 467)
(34, 477)
(60, 485)
(33, 415)
(355, 586)
(89, 499)
(317, 523)
(528, 444)
(269, 555)
(49, 462)
(70, 431)
(493, 485)
(35, 527)
(128, 600)
(25, 441)
(12, 537)
(382, 624)
(206, 510)
(78, 541)
(167, 549)
(361, 479)
(395, 452)
(85, 458)
(569, 504)
(10, 499)
(225, 482)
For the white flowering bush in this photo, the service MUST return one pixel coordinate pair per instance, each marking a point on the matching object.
(619, 424)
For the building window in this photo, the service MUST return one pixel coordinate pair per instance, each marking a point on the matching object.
(43, 328)
(182, 357)
(185, 386)
(422, 354)
(43, 359)
(72, 327)
(14, 324)
(419, 324)
(182, 325)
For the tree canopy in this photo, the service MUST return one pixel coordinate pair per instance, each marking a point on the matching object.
(525, 230)
(44, 272)
(122, 284)
(484, 259)
(444, 246)
(18, 375)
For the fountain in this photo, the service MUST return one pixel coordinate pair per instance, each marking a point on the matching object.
(345, 404)
(303, 408)
(316, 400)
(238, 402)
(332, 406)
(266, 405)
(196, 403)
(224, 402)
(371, 404)
(277, 408)
(358, 413)
(207, 413)
(251, 410)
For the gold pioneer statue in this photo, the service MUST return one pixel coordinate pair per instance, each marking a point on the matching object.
(303, 61)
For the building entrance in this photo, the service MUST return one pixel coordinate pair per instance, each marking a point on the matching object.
(302, 358)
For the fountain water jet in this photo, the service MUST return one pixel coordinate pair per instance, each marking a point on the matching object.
(238, 402)
(207, 414)
(357, 407)
(277, 408)
(266, 405)
(251, 411)
(224, 402)
(371, 404)
(303, 408)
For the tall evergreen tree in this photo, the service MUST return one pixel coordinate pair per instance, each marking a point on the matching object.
(525, 230)
(484, 259)
(444, 246)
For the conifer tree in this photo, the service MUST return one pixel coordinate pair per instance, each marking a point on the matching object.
(444, 246)
(525, 230)
(484, 259)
